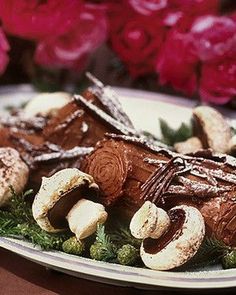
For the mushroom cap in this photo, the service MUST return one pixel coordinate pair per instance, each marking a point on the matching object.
(182, 247)
(191, 145)
(212, 128)
(149, 221)
(13, 172)
(46, 104)
(53, 189)
(84, 217)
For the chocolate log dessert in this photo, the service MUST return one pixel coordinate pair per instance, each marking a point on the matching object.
(129, 171)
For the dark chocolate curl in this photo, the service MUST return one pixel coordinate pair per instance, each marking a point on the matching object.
(159, 181)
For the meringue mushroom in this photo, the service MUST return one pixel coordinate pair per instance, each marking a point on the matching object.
(212, 129)
(46, 104)
(58, 194)
(13, 172)
(191, 145)
(149, 221)
(84, 217)
(179, 243)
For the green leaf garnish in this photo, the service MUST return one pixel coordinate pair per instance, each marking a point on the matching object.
(170, 136)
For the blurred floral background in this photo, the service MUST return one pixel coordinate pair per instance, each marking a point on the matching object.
(184, 47)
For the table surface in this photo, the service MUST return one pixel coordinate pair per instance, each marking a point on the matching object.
(20, 276)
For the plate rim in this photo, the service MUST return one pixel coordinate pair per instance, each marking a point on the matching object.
(118, 273)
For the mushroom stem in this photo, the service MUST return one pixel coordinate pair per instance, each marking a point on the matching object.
(149, 221)
(84, 217)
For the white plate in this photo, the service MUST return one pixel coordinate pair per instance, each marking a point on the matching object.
(144, 109)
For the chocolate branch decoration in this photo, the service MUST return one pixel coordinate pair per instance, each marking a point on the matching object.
(63, 155)
(48, 152)
(159, 181)
(110, 101)
(155, 146)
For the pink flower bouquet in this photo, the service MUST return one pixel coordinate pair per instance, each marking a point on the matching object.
(188, 44)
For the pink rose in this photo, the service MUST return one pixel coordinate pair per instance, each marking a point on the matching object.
(177, 62)
(210, 40)
(218, 82)
(73, 49)
(4, 48)
(135, 38)
(214, 37)
(33, 19)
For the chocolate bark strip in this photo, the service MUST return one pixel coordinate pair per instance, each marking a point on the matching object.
(48, 152)
(109, 100)
(202, 190)
(35, 124)
(217, 157)
(63, 155)
(154, 146)
(214, 174)
(100, 114)
(197, 168)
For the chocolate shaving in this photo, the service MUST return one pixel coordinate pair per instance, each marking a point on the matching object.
(109, 100)
(143, 142)
(113, 123)
(216, 157)
(48, 152)
(202, 190)
(34, 124)
(159, 181)
(208, 177)
(64, 155)
(212, 175)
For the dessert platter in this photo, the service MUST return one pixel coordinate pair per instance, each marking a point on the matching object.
(123, 187)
